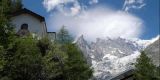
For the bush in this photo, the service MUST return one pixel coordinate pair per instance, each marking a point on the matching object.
(26, 62)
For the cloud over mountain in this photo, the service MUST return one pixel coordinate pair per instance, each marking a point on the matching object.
(99, 22)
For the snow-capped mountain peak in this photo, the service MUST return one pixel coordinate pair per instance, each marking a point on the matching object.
(145, 43)
(111, 56)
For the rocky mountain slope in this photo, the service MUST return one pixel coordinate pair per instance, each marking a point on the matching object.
(153, 51)
(109, 57)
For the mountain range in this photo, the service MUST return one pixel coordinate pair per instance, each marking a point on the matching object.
(111, 56)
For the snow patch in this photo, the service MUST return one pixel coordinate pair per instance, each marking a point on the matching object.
(110, 57)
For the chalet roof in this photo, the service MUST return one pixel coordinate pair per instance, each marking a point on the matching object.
(124, 75)
(27, 11)
(52, 32)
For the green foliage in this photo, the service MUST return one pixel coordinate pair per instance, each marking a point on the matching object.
(27, 58)
(2, 60)
(10, 6)
(145, 69)
(16, 5)
(63, 36)
(6, 29)
(65, 61)
(5, 7)
(158, 73)
(5, 78)
(44, 45)
(26, 62)
(54, 62)
(76, 67)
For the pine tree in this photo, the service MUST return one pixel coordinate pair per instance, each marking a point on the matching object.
(6, 28)
(63, 36)
(2, 60)
(6, 31)
(16, 5)
(76, 67)
(145, 69)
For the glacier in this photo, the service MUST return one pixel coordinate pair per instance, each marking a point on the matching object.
(111, 56)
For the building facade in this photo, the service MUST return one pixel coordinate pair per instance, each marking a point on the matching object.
(25, 19)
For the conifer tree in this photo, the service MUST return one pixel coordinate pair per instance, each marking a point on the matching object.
(6, 28)
(75, 68)
(16, 5)
(6, 31)
(2, 60)
(145, 69)
(63, 36)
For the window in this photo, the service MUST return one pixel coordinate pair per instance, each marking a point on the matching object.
(24, 26)
(23, 31)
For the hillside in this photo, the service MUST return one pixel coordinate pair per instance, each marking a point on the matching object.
(153, 51)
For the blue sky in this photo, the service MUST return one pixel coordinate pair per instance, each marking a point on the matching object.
(147, 11)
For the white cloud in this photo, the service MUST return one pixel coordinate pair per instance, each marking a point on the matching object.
(93, 1)
(61, 5)
(133, 4)
(51, 4)
(75, 9)
(144, 43)
(99, 22)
